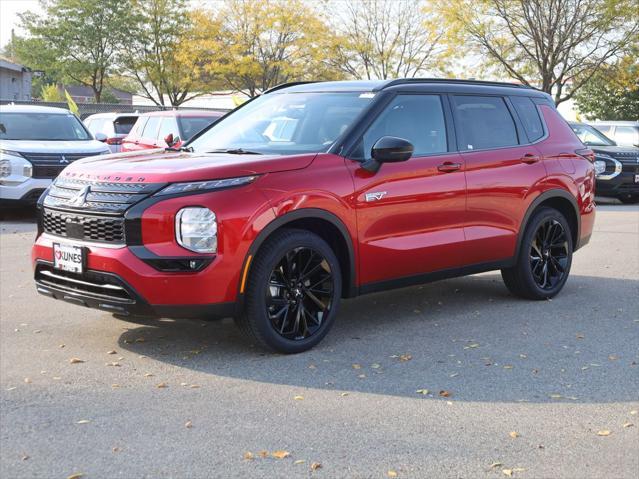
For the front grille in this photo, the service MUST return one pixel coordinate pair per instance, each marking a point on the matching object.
(84, 227)
(50, 165)
(92, 283)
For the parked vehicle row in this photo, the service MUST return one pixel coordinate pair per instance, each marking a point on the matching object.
(315, 192)
(616, 167)
(623, 133)
(111, 128)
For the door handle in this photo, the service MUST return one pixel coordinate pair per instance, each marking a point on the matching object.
(449, 167)
(530, 158)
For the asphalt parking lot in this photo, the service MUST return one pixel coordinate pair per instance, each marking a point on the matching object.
(506, 387)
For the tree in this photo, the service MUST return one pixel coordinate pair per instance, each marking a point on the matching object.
(75, 40)
(613, 92)
(262, 43)
(552, 44)
(387, 39)
(52, 93)
(161, 52)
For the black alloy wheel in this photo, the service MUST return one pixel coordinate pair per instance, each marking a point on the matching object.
(299, 293)
(549, 254)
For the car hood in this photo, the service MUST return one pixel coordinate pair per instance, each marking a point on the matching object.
(42, 146)
(613, 150)
(158, 166)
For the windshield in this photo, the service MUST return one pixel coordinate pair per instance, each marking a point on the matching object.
(591, 136)
(41, 126)
(285, 123)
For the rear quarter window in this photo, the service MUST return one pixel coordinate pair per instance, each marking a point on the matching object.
(529, 116)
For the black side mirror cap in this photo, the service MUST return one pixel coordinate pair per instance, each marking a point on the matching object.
(388, 149)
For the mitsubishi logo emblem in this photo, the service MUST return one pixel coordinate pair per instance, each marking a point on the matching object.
(80, 197)
(64, 161)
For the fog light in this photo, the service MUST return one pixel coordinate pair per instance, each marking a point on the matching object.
(196, 229)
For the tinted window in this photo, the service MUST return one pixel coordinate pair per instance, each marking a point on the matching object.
(416, 118)
(151, 128)
(483, 122)
(41, 126)
(591, 136)
(529, 117)
(194, 124)
(124, 124)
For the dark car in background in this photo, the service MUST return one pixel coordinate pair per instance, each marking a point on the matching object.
(161, 129)
(617, 167)
(111, 128)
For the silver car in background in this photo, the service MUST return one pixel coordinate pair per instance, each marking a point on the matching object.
(114, 127)
(36, 144)
(624, 133)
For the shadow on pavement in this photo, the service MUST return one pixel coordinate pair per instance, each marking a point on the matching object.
(467, 336)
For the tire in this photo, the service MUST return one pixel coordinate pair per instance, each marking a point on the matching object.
(541, 268)
(275, 294)
(629, 199)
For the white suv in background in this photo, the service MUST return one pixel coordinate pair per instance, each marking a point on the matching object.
(36, 144)
(624, 133)
(115, 126)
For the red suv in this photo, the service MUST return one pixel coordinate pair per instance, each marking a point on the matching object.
(170, 128)
(315, 192)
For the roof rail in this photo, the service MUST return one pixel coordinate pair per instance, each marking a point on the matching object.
(402, 81)
(286, 85)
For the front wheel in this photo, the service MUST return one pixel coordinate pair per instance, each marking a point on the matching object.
(293, 292)
(545, 257)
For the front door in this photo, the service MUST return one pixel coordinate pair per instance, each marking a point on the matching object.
(410, 214)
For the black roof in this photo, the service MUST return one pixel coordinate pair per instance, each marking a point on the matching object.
(432, 84)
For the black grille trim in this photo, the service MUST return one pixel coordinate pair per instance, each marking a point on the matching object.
(84, 227)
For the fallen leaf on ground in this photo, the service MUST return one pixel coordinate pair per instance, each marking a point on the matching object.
(315, 466)
(444, 393)
(508, 366)
(343, 394)
(83, 421)
(376, 366)
(248, 456)
(495, 464)
(604, 432)
(280, 454)
(25, 457)
(162, 385)
(513, 434)
(633, 413)
(405, 357)
(357, 366)
(112, 352)
(628, 424)
(556, 396)
(579, 336)
(391, 473)
(76, 360)
(299, 398)
(612, 357)
(188, 425)
(263, 453)
(77, 475)
(27, 380)
(422, 391)
(194, 386)
(507, 472)
(116, 364)
(361, 376)
(312, 366)
(148, 375)
(299, 461)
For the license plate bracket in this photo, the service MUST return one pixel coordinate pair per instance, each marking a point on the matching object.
(68, 257)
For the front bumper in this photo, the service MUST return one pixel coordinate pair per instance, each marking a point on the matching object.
(119, 282)
(622, 184)
(27, 192)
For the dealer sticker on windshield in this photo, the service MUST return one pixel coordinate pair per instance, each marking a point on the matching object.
(68, 257)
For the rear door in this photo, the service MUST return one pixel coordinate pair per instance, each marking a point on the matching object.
(501, 165)
(410, 214)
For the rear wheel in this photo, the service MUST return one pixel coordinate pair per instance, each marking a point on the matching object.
(293, 292)
(545, 257)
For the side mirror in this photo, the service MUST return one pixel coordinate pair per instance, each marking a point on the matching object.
(171, 140)
(101, 137)
(388, 149)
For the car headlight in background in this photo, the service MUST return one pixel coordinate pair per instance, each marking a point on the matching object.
(600, 167)
(14, 168)
(202, 186)
(196, 229)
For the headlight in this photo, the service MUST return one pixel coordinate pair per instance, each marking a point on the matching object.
(196, 229)
(202, 186)
(600, 167)
(14, 168)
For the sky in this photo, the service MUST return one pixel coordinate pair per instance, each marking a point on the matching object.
(9, 10)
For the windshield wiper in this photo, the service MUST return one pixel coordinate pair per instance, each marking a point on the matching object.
(235, 151)
(188, 149)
